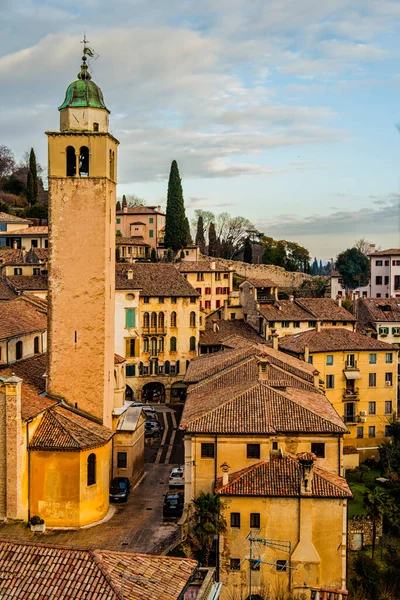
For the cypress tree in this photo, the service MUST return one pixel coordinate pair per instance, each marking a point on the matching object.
(33, 170)
(118, 206)
(30, 189)
(188, 235)
(212, 241)
(321, 270)
(248, 251)
(124, 202)
(176, 224)
(200, 239)
(153, 255)
(315, 270)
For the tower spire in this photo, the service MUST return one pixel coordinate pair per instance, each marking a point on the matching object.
(84, 74)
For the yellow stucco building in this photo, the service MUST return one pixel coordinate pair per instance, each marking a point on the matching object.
(260, 432)
(211, 279)
(359, 374)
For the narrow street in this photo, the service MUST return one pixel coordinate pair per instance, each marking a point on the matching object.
(137, 525)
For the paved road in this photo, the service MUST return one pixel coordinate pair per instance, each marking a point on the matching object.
(137, 525)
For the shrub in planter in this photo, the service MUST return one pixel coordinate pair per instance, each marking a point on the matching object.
(37, 524)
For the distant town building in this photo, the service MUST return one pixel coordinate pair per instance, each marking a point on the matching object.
(385, 273)
(380, 318)
(212, 280)
(23, 329)
(145, 223)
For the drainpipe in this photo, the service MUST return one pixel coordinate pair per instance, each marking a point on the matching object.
(215, 458)
(29, 468)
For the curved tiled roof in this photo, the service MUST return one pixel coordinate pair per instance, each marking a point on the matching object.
(153, 279)
(53, 572)
(226, 329)
(19, 317)
(26, 282)
(281, 476)
(331, 340)
(193, 266)
(62, 429)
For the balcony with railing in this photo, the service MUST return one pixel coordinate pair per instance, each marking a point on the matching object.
(351, 394)
(154, 331)
(264, 297)
(350, 419)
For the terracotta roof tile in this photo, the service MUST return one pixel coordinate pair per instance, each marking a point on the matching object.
(330, 340)
(118, 360)
(389, 252)
(20, 317)
(7, 218)
(29, 231)
(10, 256)
(62, 429)
(284, 310)
(54, 572)
(205, 366)
(21, 283)
(261, 283)
(140, 210)
(6, 293)
(325, 309)
(137, 240)
(153, 279)
(226, 329)
(371, 310)
(281, 476)
(193, 266)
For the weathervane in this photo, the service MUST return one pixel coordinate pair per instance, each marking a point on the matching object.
(84, 74)
(86, 49)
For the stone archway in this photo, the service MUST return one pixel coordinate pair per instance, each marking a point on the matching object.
(129, 395)
(178, 391)
(153, 393)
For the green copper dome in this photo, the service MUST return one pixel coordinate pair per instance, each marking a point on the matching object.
(83, 92)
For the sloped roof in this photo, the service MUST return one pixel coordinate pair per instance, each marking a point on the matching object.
(137, 240)
(29, 231)
(118, 360)
(284, 310)
(10, 256)
(330, 340)
(153, 279)
(21, 283)
(281, 476)
(225, 329)
(257, 408)
(325, 309)
(198, 266)
(389, 252)
(379, 309)
(207, 365)
(20, 317)
(140, 210)
(261, 283)
(48, 571)
(7, 218)
(6, 293)
(62, 429)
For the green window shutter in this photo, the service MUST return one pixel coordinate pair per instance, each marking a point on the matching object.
(151, 232)
(130, 318)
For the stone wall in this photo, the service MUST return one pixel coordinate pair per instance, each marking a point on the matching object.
(362, 525)
(281, 277)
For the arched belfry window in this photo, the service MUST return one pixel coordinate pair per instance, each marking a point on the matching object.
(71, 161)
(84, 161)
(91, 469)
(112, 165)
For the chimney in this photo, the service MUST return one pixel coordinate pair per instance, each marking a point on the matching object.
(291, 298)
(15, 245)
(23, 250)
(306, 353)
(215, 326)
(225, 473)
(339, 300)
(11, 434)
(125, 209)
(263, 370)
(212, 265)
(275, 339)
(306, 463)
(130, 274)
(318, 326)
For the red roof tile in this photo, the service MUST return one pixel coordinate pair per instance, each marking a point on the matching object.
(29, 231)
(52, 572)
(20, 317)
(389, 252)
(218, 330)
(21, 283)
(153, 279)
(281, 476)
(193, 266)
(261, 283)
(7, 218)
(330, 340)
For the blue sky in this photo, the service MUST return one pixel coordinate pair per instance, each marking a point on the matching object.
(281, 111)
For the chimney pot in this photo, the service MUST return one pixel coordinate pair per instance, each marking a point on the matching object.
(212, 265)
(130, 274)
(275, 340)
(306, 463)
(225, 473)
(318, 326)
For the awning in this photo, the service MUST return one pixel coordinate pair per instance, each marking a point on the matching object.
(352, 375)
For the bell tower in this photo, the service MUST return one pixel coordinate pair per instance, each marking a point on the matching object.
(82, 159)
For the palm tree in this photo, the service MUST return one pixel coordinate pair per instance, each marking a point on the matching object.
(377, 503)
(206, 522)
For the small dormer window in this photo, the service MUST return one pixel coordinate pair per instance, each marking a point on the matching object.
(95, 127)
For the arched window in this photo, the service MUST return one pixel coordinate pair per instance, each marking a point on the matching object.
(71, 161)
(173, 319)
(145, 344)
(172, 344)
(153, 320)
(19, 352)
(153, 346)
(161, 345)
(84, 161)
(192, 343)
(36, 348)
(91, 469)
(112, 163)
(192, 319)
(146, 320)
(161, 320)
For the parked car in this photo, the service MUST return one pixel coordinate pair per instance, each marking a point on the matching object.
(173, 504)
(152, 428)
(177, 477)
(119, 489)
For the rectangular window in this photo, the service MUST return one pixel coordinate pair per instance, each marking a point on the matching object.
(383, 330)
(255, 564)
(118, 233)
(350, 360)
(371, 431)
(296, 324)
(389, 358)
(173, 299)
(233, 316)
(360, 432)
(378, 280)
(207, 291)
(274, 445)
(122, 460)
(396, 331)
(151, 220)
(389, 379)
(17, 271)
(130, 370)
(130, 318)
(34, 243)
(372, 408)
(207, 450)
(235, 520)
(234, 564)
(397, 281)
(151, 233)
(255, 520)
(386, 279)
(207, 304)
(378, 263)
(386, 263)
(200, 276)
(388, 431)
(217, 276)
(318, 449)
(388, 407)
(36, 270)
(146, 300)
(281, 564)
(226, 276)
(312, 323)
(285, 323)
(129, 347)
(310, 360)
(329, 360)
(161, 299)
(372, 380)
(330, 382)
(372, 359)
(253, 450)
(193, 299)
(217, 303)
(118, 221)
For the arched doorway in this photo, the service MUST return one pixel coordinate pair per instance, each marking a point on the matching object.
(128, 394)
(153, 392)
(178, 391)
